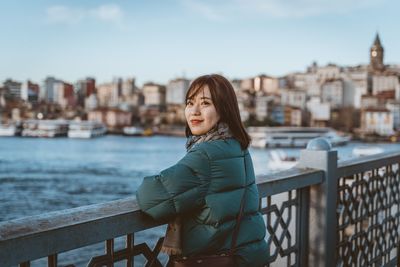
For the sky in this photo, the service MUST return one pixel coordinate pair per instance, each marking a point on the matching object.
(159, 40)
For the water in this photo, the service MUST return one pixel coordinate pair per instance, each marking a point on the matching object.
(42, 175)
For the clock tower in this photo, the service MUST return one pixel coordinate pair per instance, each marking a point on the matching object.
(376, 55)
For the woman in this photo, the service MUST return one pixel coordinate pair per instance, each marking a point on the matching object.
(201, 194)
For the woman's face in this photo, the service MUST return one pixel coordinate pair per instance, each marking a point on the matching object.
(200, 112)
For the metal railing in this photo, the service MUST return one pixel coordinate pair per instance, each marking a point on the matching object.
(369, 212)
(320, 213)
(284, 204)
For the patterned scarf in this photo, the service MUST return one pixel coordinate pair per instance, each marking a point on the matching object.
(172, 244)
(219, 131)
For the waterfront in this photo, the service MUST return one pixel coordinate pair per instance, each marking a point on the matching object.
(41, 175)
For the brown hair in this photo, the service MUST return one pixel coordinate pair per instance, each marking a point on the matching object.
(225, 102)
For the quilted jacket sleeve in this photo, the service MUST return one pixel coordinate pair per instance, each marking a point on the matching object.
(177, 189)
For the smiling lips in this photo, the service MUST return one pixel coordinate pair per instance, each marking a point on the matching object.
(196, 122)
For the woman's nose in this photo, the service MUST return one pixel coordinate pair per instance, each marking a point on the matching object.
(195, 110)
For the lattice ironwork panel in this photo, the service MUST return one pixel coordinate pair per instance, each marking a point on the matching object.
(111, 256)
(131, 250)
(368, 219)
(281, 213)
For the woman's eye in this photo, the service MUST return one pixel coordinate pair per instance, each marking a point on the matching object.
(205, 103)
(189, 103)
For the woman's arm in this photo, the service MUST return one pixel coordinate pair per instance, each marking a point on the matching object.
(177, 189)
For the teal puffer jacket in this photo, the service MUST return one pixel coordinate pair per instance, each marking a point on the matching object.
(205, 188)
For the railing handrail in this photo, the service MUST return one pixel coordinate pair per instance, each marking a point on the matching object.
(359, 165)
(38, 236)
(284, 181)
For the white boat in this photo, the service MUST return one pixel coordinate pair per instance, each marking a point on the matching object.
(293, 136)
(44, 128)
(133, 131)
(279, 161)
(259, 142)
(9, 130)
(366, 151)
(86, 129)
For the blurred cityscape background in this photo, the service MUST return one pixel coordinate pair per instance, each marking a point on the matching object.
(361, 99)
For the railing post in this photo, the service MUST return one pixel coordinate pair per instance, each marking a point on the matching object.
(323, 197)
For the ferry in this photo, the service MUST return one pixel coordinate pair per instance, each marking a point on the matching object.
(136, 131)
(133, 131)
(44, 128)
(299, 137)
(86, 129)
(10, 129)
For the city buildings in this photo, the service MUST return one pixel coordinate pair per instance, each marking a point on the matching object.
(176, 91)
(30, 92)
(114, 119)
(319, 96)
(85, 89)
(154, 95)
(13, 88)
(109, 93)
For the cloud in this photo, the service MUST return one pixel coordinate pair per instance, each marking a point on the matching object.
(111, 12)
(226, 9)
(67, 15)
(304, 8)
(208, 11)
(64, 15)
